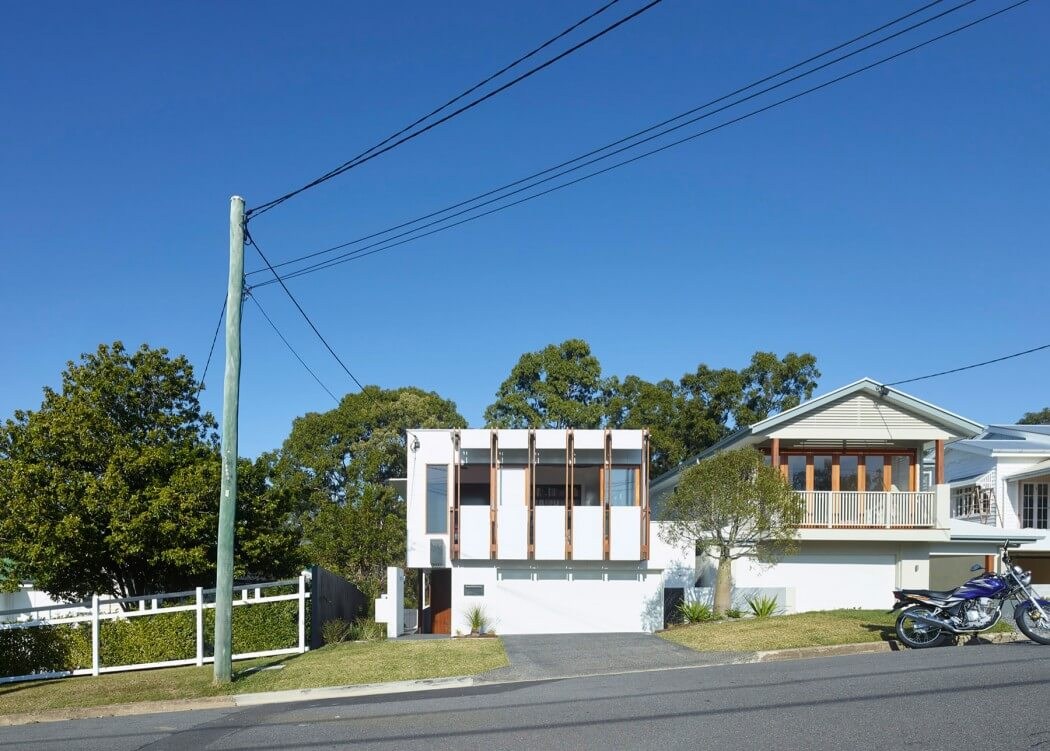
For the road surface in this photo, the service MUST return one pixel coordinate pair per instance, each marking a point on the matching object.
(993, 696)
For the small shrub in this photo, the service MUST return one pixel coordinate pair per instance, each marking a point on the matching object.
(335, 631)
(477, 620)
(366, 630)
(763, 607)
(696, 612)
(734, 613)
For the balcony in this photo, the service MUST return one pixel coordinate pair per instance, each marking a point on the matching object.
(848, 509)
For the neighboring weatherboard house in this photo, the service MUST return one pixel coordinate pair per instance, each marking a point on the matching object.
(549, 531)
(1001, 477)
(871, 523)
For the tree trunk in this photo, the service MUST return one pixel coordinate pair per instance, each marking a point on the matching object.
(723, 585)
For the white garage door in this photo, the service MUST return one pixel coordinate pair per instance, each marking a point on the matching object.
(547, 603)
(831, 581)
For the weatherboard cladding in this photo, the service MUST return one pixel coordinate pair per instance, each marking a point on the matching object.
(855, 414)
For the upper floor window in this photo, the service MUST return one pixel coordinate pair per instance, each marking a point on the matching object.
(1035, 499)
(437, 499)
(623, 486)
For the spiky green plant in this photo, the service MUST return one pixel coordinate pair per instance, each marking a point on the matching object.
(763, 607)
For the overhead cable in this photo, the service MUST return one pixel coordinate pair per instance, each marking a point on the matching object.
(375, 151)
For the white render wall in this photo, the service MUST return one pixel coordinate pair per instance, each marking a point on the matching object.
(435, 447)
(829, 576)
(535, 597)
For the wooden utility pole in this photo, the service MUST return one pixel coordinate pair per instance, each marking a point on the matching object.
(228, 492)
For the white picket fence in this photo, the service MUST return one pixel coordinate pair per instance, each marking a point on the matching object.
(101, 609)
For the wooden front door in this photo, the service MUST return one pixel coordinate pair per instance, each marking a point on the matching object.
(441, 601)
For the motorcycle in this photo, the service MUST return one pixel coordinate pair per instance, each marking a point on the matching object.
(931, 618)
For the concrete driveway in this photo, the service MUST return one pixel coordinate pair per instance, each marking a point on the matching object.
(535, 657)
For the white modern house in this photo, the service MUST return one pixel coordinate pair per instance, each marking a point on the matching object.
(1001, 477)
(855, 458)
(549, 531)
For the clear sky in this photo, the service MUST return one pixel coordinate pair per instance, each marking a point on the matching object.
(893, 225)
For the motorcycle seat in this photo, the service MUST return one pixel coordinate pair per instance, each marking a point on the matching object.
(931, 593)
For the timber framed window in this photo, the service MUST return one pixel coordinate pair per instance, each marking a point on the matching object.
(849, 471)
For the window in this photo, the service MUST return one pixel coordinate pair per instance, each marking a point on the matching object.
(797, 471)
(873, 473)
(848, 473)
(474, 485)
(900, 473)
(1035, 499)
(587, 474)
(473, 590)
(822, 473)
(437, 499)
(623, 486)
(551, 474)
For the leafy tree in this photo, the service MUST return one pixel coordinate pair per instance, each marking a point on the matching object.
(1042, 417)
(559, 386)
(731, 505)
(635, 403)
(705, 405)
(338, 463)
(112, 486)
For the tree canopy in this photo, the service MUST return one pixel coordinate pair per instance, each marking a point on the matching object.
(559, 386)
(339, 463)
(732, 504)
(562, 385)
(1042, 417)
(112, 486)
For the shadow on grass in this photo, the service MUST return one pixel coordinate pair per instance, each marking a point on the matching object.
(886, 633)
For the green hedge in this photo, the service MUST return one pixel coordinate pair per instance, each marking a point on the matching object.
(45, 649)
(144, 639)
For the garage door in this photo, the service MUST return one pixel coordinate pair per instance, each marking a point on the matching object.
(564, 602)
(831, 581)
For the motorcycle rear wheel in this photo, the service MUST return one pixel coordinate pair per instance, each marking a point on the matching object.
(1031, 623)
(915, 634)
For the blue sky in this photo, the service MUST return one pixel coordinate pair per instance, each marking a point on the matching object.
(893, 225)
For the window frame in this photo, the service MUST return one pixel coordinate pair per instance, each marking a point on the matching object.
(428, 499)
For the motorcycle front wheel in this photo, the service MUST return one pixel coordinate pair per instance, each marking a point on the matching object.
(1033, 624)
(917, 634)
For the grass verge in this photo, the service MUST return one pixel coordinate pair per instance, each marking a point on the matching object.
(337, 665)
(819, 629)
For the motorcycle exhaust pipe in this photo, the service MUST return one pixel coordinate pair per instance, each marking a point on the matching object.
(932, 620)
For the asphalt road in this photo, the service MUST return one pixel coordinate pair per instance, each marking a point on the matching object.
(993, 696)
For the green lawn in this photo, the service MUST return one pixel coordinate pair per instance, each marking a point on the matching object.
(337, 665)
(818, 629)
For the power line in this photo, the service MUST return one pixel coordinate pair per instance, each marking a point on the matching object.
(375, 151)
(251, 241)
(385, 245)
(970, 367)
(211, 350)
(634, 135)
(291, 348)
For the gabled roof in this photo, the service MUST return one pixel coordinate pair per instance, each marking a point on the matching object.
(888, 394)
(1037, 429)
(1008, 439)
(1042, 469)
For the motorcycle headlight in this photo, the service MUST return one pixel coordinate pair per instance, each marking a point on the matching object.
(1026, 578)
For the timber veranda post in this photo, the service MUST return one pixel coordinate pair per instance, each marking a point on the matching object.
(228, 490)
